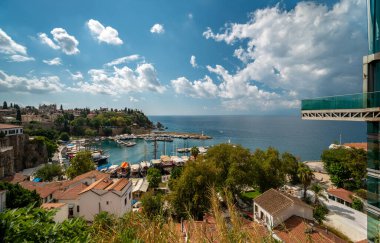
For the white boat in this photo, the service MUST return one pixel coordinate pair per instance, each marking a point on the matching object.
(130, 144)
(135, 168)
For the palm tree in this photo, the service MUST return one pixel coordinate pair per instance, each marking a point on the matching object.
(306, 176)
(194, 152)
(318, 193)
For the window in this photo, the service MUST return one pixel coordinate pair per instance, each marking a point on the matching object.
(71, 212)
(125, 201)
(107, 202)
(78, 208)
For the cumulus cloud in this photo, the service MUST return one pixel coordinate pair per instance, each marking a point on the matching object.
(193, 61)
(53, 62)
(29, 85)
(157, 29)
(17, 52)
(20, 58)
(62, 40)
(133, 99)
(204, 88)
(122, 60)
(311, 50)
(123, 80)
(107, 34)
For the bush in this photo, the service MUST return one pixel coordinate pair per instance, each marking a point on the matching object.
(320, 212)
(64, 136)
(357, 204)
(362, 193)
(49, 171)
(18, 197)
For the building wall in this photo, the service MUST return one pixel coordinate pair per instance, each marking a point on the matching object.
(61, 214)
(72, 203)
(2, 200)
(89, 205)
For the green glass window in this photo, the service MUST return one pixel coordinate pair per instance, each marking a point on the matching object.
(373, 227)
(373, 187)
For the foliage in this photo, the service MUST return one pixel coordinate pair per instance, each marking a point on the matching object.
(49, 171)
(5, 105)
(361, 193)
(50, 134)
(306, 176)
(18, 115)
(18, 197)
(319, 213)
(249, 196)
(103, 221)
(64, 136)
(2, 134)
(152, 204)
(174, 174)
(318, 193)
(194, 151)
(357, 204)
(154, 177)
(290, 164)
(80, 164)
(347, 167)
(50, 145)
(36, 225)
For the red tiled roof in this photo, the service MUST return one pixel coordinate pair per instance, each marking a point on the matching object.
(70, 193)
(42, 188)
(295, 229)
(341, 193)
(119, 185)
(16, 178)
(357, 145)
(8, 126)
(107, 184)
(274, 201)
(52, 205)
(91, 174)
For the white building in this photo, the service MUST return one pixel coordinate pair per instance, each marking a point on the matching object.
(274, 207)
(3, 198)
(112, 196)
(11, 130)
(60, 208)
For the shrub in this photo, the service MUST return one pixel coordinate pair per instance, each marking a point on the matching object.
(357, 204)
(320, 212)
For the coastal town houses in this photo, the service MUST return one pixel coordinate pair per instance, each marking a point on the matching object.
(340, 195)
(61, 211)
(112, 196)
(273, 207)
(11, 130)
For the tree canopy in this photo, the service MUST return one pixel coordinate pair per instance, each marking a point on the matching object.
(347, 167)
(80, 164)
(154, 177)
(18, 197)
(49, 171)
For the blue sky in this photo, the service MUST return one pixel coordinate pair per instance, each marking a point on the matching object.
(180, 57)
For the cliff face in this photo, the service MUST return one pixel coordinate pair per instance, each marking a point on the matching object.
(26, 154)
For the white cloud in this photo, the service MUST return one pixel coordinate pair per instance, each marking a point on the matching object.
(122, 60)
(190, 16)
(53, 62)
(157, 29)
(47, 41)
(133, 99)
(193, 61)
(62, 40)
(309, 51)
(9, 46)
(29, 85)
(20, 58)
(204, 88)
(107, 34)
(123, 80)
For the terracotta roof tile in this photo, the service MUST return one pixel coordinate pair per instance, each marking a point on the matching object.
(70, 193)
(42, 188)
(341, 193)
(357, 145)
(52, 205)
(16, 178)
(274, 201)
(8, 126)
(118, 185)
(295, 229)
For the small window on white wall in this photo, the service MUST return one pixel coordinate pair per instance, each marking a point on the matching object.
(107, 202)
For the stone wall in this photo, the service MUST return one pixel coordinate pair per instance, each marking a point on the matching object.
(24, 153)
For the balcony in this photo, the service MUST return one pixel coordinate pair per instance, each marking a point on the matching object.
(353, 107)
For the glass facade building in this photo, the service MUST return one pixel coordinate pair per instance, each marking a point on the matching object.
(367, 101)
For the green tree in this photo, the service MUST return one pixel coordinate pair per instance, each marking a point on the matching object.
(319, 213)
(49, 171)
(194, 151)
(50, 145)
(190, 194)
(357, 204)
(18, 197)
(318, 193)
(64, 136)
(80, 164)
(18, 115)
(290, 164)
(103, 221)
(154, 177)
(152, 204)
(306, 176)
(5, 105)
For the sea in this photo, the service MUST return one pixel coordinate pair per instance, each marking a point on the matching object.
(303, 138)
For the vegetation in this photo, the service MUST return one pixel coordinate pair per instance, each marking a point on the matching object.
(154, 177)
(347, 167)
(49, 171)
(152, 204)
(18, 197)
(50, 145)
(80, 164)
(5, 105)
(306, 176)
(319, 213)
(318, 193)
(357, 204)
(249, 196)
(194, 151)
(64, 136)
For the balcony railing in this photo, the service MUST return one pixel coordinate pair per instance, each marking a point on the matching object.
(352, 101)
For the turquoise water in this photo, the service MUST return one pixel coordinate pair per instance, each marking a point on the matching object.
(305, 139)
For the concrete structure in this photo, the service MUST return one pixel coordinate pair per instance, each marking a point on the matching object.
(139, 187)
(274, 207)
(112, 196)
(3, 199)
(60, 208)
(365, 107)
(11, 130)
